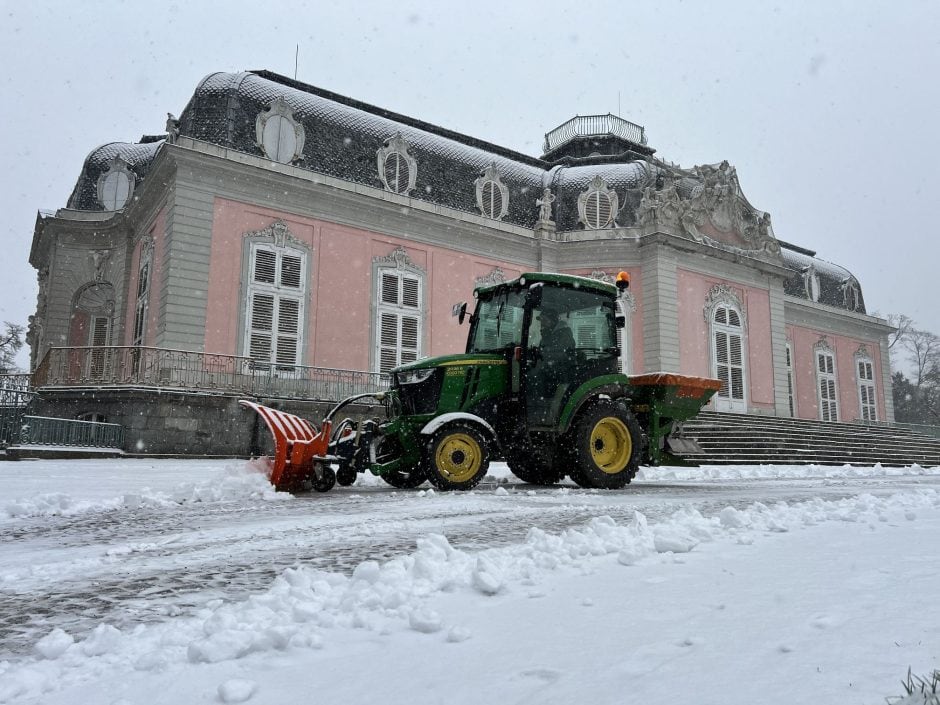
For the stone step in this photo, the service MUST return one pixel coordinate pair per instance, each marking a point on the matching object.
(741, 438)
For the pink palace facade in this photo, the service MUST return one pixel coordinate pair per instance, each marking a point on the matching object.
(280, 227)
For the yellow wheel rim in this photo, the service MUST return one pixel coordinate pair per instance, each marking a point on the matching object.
(611, 445)
(458, 457)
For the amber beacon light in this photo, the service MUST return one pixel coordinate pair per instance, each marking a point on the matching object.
(623, 280)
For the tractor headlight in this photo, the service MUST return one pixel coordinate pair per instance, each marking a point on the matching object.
(415, 376)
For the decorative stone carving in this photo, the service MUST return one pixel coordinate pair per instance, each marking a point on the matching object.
(398, 259)
(397, 145)
(172, 128)
(491, 175)
(496, 276)
(722, 294)
(279, 234)
(811, 282)
(862, 353)
(823, 345)
(146, 247)
(713, 197)
(100, 260)
(545, 206)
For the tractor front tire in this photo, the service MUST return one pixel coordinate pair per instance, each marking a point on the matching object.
(457, 457)
(534, 471)
(607, 448)
(346, 475)
(405, 479)
(323, 478)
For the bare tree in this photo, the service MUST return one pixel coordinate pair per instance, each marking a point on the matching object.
(11, 340)
(923, 349)
(903, 325)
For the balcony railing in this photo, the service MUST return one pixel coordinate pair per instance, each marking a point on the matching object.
(43, 431)
(198, 371)
(594, 126)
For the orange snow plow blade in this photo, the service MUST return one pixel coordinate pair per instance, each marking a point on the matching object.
(298, 446)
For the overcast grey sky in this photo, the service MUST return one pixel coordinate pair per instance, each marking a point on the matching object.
(828, 110)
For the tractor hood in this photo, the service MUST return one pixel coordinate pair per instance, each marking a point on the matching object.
(451, 361)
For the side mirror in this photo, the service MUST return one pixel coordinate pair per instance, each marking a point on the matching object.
(621, 321)
(460, 310)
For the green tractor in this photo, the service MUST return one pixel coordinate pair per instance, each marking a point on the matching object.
(538, 386)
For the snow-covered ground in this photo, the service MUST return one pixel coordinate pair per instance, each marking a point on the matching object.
(145, 582)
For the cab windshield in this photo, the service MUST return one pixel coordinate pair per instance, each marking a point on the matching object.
(497, 323)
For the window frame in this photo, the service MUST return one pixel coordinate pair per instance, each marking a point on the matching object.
(397, 146)
(280, 110)
(399, 266)
(827, 380)
(277, 241)
(595, 190)
(118, 168)
(868, 410)
(491, 178)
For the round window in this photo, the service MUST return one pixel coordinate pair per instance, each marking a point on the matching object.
(279, 139)
(115, 190)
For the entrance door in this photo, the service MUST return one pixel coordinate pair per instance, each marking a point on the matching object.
(728, 360)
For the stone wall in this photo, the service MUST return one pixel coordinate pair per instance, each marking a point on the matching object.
(176, 423)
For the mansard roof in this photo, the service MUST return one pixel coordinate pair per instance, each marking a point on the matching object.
(138, 158)
(834, 281)
(342, 137)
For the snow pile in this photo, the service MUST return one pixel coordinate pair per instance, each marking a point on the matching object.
(304, 607)
(788, 472)
(237, 481)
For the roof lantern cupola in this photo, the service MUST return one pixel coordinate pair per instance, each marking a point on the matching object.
(595, 136)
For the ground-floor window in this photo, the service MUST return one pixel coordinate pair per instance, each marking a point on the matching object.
(826, 385)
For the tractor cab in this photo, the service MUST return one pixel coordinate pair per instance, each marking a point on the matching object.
(557, 333)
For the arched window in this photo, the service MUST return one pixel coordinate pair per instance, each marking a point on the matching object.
(597, 205)
(492, 194)
(144, 266)
(397, 168)
(851, 294)
(90, 328)
(724, 314)
(865, 378)
(399, 310)
(826, 389)
(276, 299)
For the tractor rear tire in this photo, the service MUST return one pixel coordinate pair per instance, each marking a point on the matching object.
(608, 444)
(535, 472)
(457, 457)
(389, 448)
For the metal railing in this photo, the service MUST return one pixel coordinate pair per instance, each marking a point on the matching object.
(198, 371)
(44, 431)
(592, 126)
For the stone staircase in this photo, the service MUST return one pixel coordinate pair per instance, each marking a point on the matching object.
(751, 439)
